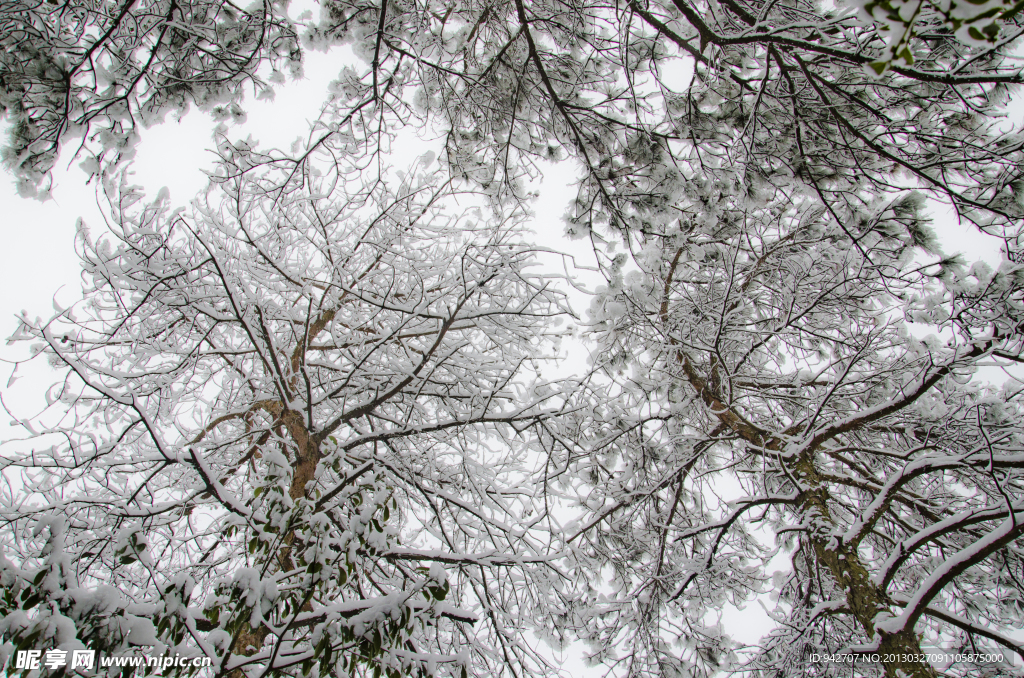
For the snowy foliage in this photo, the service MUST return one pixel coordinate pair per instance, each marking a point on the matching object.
(95, 70)
(662, 103)
(972, 22)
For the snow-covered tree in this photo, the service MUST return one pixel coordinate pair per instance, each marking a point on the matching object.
(796, 391)
(765, 389)
(95, 70)
(293, 434)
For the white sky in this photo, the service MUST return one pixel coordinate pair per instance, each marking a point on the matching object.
(38, 262)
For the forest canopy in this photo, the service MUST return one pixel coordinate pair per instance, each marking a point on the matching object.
(306, 425)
